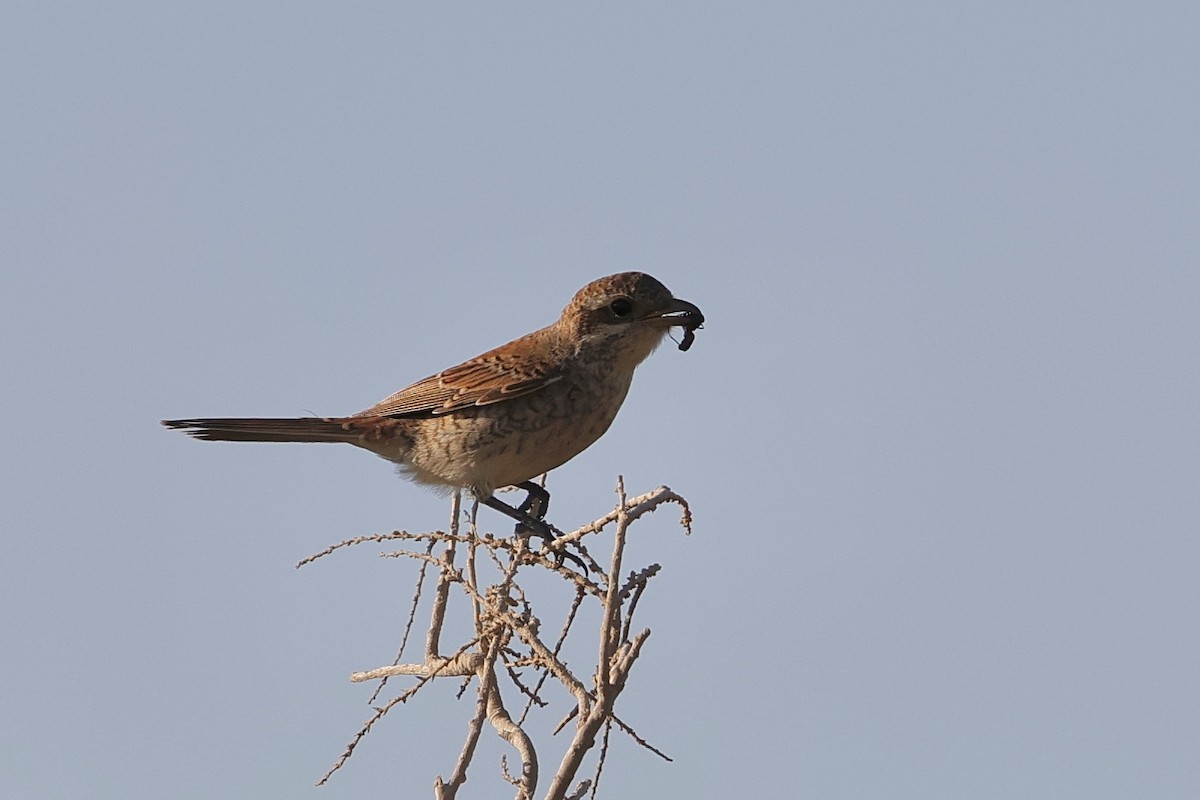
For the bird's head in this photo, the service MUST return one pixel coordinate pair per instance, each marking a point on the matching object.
(631, 311)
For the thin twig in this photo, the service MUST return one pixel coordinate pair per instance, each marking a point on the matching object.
(501, 611)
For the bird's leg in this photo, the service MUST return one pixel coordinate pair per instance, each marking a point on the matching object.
(529, 515)
(530, 519)
(526, 522)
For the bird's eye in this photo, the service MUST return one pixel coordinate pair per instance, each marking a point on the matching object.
(621, 307)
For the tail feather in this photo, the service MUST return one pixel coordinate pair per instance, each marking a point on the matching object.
(250, 429)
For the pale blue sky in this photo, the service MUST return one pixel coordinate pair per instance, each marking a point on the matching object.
(940, 433)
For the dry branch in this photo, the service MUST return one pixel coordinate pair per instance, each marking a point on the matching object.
(507, 633)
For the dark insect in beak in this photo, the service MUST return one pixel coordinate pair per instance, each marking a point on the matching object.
(683, 314)
(689, 336)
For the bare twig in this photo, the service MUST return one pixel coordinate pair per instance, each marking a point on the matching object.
(506, 630)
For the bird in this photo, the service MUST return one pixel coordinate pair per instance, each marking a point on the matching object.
(508, 415)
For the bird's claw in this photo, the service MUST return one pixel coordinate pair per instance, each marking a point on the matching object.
(530, 516)
(542, 529)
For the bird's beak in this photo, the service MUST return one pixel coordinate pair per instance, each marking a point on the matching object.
(678, 312)
(681, 313)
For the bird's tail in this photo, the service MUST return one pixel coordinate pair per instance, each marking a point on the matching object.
(250, 429)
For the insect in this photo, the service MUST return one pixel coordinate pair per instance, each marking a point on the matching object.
(689, 336)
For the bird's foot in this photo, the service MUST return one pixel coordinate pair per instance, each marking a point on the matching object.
(530, 517)
(547, 533)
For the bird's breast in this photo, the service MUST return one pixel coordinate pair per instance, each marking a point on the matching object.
(488, 447)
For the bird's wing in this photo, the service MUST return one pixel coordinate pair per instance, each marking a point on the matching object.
(498, 375)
